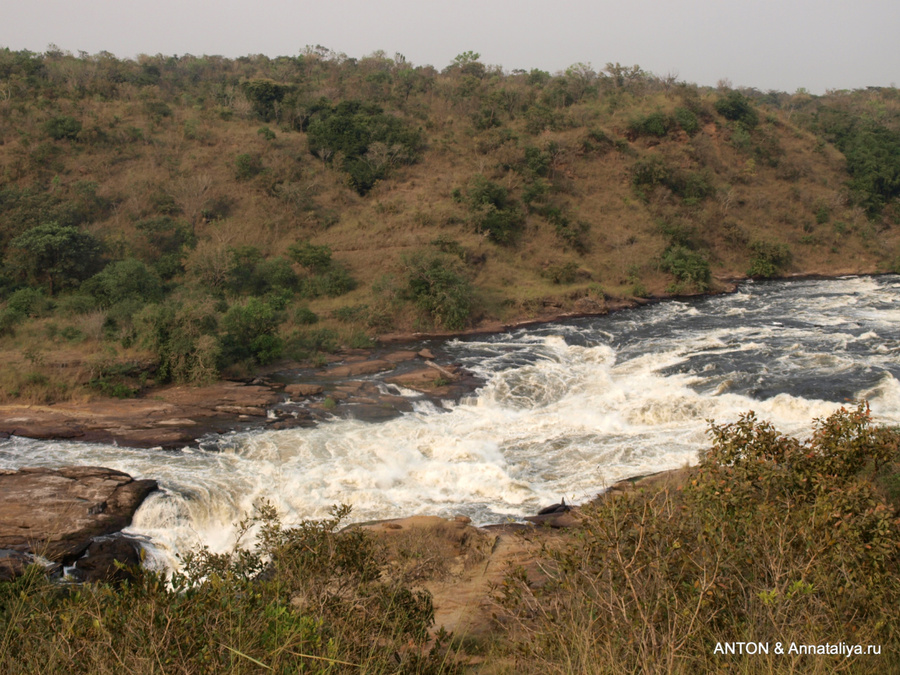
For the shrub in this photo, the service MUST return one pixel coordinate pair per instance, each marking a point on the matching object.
(687, 120)
(247, 166)
(652, 171)
(316, 259)
(688, 267)
(28, 302)
(572, 232)
(566, 273)
(301, 599)
(304, 316)
(124, 280)
(57, 255)
(493, 211)
(769, 259)
(75, 304)
(249, 273)
(249, 332)
(738, 108)
(62, 128)
(770, 539)
(370, 142)
(438, 286)
(264, 95)
(182, 336)
(655, 124)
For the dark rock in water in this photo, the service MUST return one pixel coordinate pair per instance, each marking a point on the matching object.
(556, 516)
(12, 564)
(110, 560)
(562, 507)
(56, 513)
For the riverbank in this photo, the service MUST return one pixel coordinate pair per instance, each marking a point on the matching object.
(360, 383)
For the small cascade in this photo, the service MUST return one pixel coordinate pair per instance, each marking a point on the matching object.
(566, 409)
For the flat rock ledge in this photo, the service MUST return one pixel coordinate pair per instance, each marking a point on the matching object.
(171, 417)
(56, 513)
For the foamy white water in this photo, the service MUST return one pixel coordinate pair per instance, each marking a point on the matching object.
(566, 410)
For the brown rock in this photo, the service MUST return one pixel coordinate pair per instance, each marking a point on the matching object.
(56, 512)
(556, 520)
(426, 354)
(110, 560)
(588, 305)
(251, 411)
(399, 357)
(12, 564)
(300, 390)
(361, 368)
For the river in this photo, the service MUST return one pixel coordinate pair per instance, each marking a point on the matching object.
(566, 409)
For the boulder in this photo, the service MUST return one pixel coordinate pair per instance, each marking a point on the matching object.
(56, 513)
(13, 564)
(110, 560)
(301, 390)
(361, 368)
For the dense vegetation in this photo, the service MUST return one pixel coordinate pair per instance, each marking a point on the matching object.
(180, 218)
(768, 540)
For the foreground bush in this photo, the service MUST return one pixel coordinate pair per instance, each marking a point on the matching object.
(302, 600)
(771, 540)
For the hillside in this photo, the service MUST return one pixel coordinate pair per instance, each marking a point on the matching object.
(183, 218)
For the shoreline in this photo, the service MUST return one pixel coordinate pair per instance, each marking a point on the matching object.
(173, 417)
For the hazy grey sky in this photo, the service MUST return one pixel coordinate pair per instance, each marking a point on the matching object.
(767, 44)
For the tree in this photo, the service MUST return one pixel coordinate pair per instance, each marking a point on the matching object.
(56, 255)
(124, 280)
(438, 285)
(369, 141)
(265, 95)
(737, 107)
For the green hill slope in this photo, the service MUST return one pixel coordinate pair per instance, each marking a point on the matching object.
(180, 218)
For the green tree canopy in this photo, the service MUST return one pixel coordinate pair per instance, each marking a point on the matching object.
(55, 255)
(368, 141)
(123, 280)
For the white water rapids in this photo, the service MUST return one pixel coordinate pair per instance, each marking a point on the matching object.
(566, 410)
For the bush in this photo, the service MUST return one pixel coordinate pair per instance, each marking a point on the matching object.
(247, 166)
(316, 259)
(57, 255)
(182, 336)
(738, 108)
(124, 280)
(249, 273)
(655, 124)
(769, 259)
(370, 142)
(770, 539)
(566, 273)
(301, 599)
(652, 171)
(250, 333)
(62, 128)
(304, 316)
(28, 302)
(687, 120)
(688, 267)
(438, 286)
(493, 211)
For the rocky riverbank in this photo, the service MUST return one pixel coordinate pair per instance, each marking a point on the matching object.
(73, 516)
(358, 383)
(59, 514)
